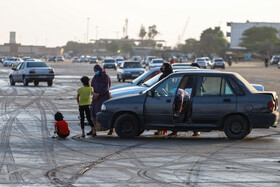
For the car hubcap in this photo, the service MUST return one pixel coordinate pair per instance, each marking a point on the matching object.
(236, 127)
(127, 127)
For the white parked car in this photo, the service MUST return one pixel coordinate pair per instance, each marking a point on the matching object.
(149, 59)
(119, 60)
(156, 63)
(201, 62)
(12, 61)
(218, 63)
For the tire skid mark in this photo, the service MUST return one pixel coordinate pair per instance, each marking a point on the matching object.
(47, 143)
(14, 175)
(51, 174)
(5, 150)
(6, 131)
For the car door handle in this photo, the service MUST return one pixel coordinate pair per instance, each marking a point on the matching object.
(227, 100)
(168, 100)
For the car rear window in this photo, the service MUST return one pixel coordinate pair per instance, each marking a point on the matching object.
(36, 64)
(109, 61)
(157, 61)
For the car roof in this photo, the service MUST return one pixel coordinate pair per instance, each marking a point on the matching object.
(204, 72)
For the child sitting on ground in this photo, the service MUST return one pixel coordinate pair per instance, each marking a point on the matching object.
(84, 101)
(61, 126)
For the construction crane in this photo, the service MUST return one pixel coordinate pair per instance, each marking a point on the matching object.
(180, 38)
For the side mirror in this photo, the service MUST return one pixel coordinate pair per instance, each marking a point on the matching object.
(13, 69)
(150, 93)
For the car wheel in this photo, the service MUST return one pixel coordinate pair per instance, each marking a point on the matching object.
(25, 82)
(140, 132)
(50, 82)
(278, 67)
(119, 80)
(12, 82)
(236, 127)
(127, 126)
(36, 83)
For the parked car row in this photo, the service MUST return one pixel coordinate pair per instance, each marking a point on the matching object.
(204, 62)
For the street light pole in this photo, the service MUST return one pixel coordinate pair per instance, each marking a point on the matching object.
(87, 28)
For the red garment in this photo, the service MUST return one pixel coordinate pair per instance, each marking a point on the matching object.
(62, 127)
(172, 61)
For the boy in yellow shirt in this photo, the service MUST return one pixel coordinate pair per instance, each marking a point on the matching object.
(84, 101)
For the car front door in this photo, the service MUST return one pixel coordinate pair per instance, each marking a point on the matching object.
(158, 109)
(15, 73)
(213, 99)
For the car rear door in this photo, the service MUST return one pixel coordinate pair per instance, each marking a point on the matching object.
(16, 72)
(158, 109)
(213, 99)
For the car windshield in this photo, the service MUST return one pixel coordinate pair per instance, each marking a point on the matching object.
(109, 61)
(11, 59)
(218, 60)
(132, 65)
(36, 64)
(119, 59)
(157, 61)
(152, 81)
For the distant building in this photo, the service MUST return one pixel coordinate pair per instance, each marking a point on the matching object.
(237, 30)
(16, 49)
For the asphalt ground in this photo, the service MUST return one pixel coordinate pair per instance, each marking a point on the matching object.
(29, 157)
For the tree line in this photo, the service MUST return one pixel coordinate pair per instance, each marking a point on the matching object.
(261, 40)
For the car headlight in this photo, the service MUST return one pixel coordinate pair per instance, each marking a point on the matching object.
(103, 107)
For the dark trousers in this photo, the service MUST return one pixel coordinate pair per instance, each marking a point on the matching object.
(62, 135)
(85, 110)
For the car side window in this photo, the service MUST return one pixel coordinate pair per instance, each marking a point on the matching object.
(151, 75)
(168, 87)
(22, 66)
(19, 66)
(213, 86)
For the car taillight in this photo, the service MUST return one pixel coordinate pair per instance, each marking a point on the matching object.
(270, 105)
(51, 71)
(32, 71)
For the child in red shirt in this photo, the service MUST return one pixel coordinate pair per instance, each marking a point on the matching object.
(61, 126)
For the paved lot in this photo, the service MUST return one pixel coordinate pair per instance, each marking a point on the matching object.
(28, 156)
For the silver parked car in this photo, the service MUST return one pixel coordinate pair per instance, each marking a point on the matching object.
(109, 63)
(201, 62)
(36, 72)
(218, 63)
(156, 63)
(12, 61)
(129, 70)
(222, 101)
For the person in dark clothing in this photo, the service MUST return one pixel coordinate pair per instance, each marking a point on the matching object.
(101, 84)
(166, 70)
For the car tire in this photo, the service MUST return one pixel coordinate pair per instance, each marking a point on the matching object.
(236, 127)
(25, 81)
(36, 83)
(140, 132)
(119, 80)
(12, 82)
(50, 83)
(127, 126)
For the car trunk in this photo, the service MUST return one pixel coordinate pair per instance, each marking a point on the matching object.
(274, 96)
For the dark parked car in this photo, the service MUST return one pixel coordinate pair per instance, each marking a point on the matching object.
(129, 70)
(219, 101)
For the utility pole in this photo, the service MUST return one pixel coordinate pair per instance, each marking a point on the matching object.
(87, 28)
(126, 27)
(96, 32)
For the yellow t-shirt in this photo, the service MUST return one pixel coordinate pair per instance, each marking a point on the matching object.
(85, 93)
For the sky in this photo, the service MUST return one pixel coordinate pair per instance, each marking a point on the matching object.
(55, 22)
